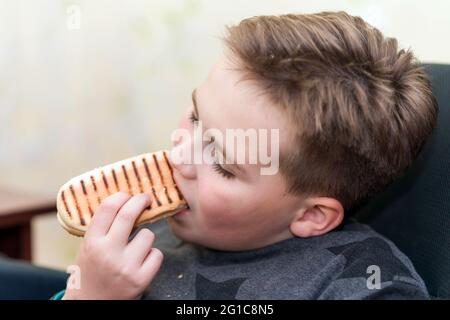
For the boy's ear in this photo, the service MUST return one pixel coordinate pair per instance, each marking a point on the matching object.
(321, 215)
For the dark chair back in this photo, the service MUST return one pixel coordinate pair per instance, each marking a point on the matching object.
(414, 212)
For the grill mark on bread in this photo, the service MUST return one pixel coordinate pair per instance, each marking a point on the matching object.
(141, 189)
(95, 189)
(151, 181)
(83, 223)
(162, 178)
(105, 182)
(137, 176)
(115, 179)
(77, 211)
(86, 197)
(171, 177)
(126, 178)
(63, 196)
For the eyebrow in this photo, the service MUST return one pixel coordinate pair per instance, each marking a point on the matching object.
(221, 149)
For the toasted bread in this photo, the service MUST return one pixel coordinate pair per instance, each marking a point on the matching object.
(151, 173)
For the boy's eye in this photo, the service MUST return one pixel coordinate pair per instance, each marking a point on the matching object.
(219, 169)
(216, 166)
(192, 117)
(226, 174)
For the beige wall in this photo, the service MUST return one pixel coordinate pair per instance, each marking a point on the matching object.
(75, 98)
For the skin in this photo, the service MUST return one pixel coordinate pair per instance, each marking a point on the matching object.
(110, 266)
(242, 212)
(250, 210)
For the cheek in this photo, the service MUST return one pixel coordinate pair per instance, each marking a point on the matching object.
(214, 202)
(221, 204)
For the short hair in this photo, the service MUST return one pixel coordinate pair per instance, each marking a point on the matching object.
(360, 110)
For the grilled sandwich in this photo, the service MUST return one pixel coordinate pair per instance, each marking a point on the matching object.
(151, 173)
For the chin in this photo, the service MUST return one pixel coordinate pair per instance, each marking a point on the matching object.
(185, 233)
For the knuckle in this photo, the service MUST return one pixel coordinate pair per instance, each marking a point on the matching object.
(112, 202)
(135, 281)
(107, 205)
(128, 274)
(126, 216)
(123, 271)
(90, 248)
(142, 198)
(103, 261)
(123, 193)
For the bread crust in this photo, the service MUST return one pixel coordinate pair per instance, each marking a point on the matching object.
(151, 173)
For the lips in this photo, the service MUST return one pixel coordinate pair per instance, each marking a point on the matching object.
(184, 211)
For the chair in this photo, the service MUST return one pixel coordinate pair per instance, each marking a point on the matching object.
(414, 212)
(22, 280)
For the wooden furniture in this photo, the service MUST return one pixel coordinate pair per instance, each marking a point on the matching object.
(16, 211)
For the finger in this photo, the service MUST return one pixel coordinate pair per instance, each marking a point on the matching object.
(151, 265)
(140, 246)
(105, 213)
(125, 219)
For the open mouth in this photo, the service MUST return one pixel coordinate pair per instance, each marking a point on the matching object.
(182, 213)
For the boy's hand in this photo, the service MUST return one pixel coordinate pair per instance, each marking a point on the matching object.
(110, 267)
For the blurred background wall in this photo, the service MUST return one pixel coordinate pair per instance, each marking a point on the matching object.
(86, 83)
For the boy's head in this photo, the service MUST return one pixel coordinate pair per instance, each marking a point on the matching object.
(352, 112)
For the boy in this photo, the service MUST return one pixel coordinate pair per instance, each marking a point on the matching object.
(352, 112)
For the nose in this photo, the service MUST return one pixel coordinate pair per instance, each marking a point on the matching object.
(181, 159)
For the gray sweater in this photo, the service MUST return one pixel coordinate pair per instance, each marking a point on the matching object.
(351, 262)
